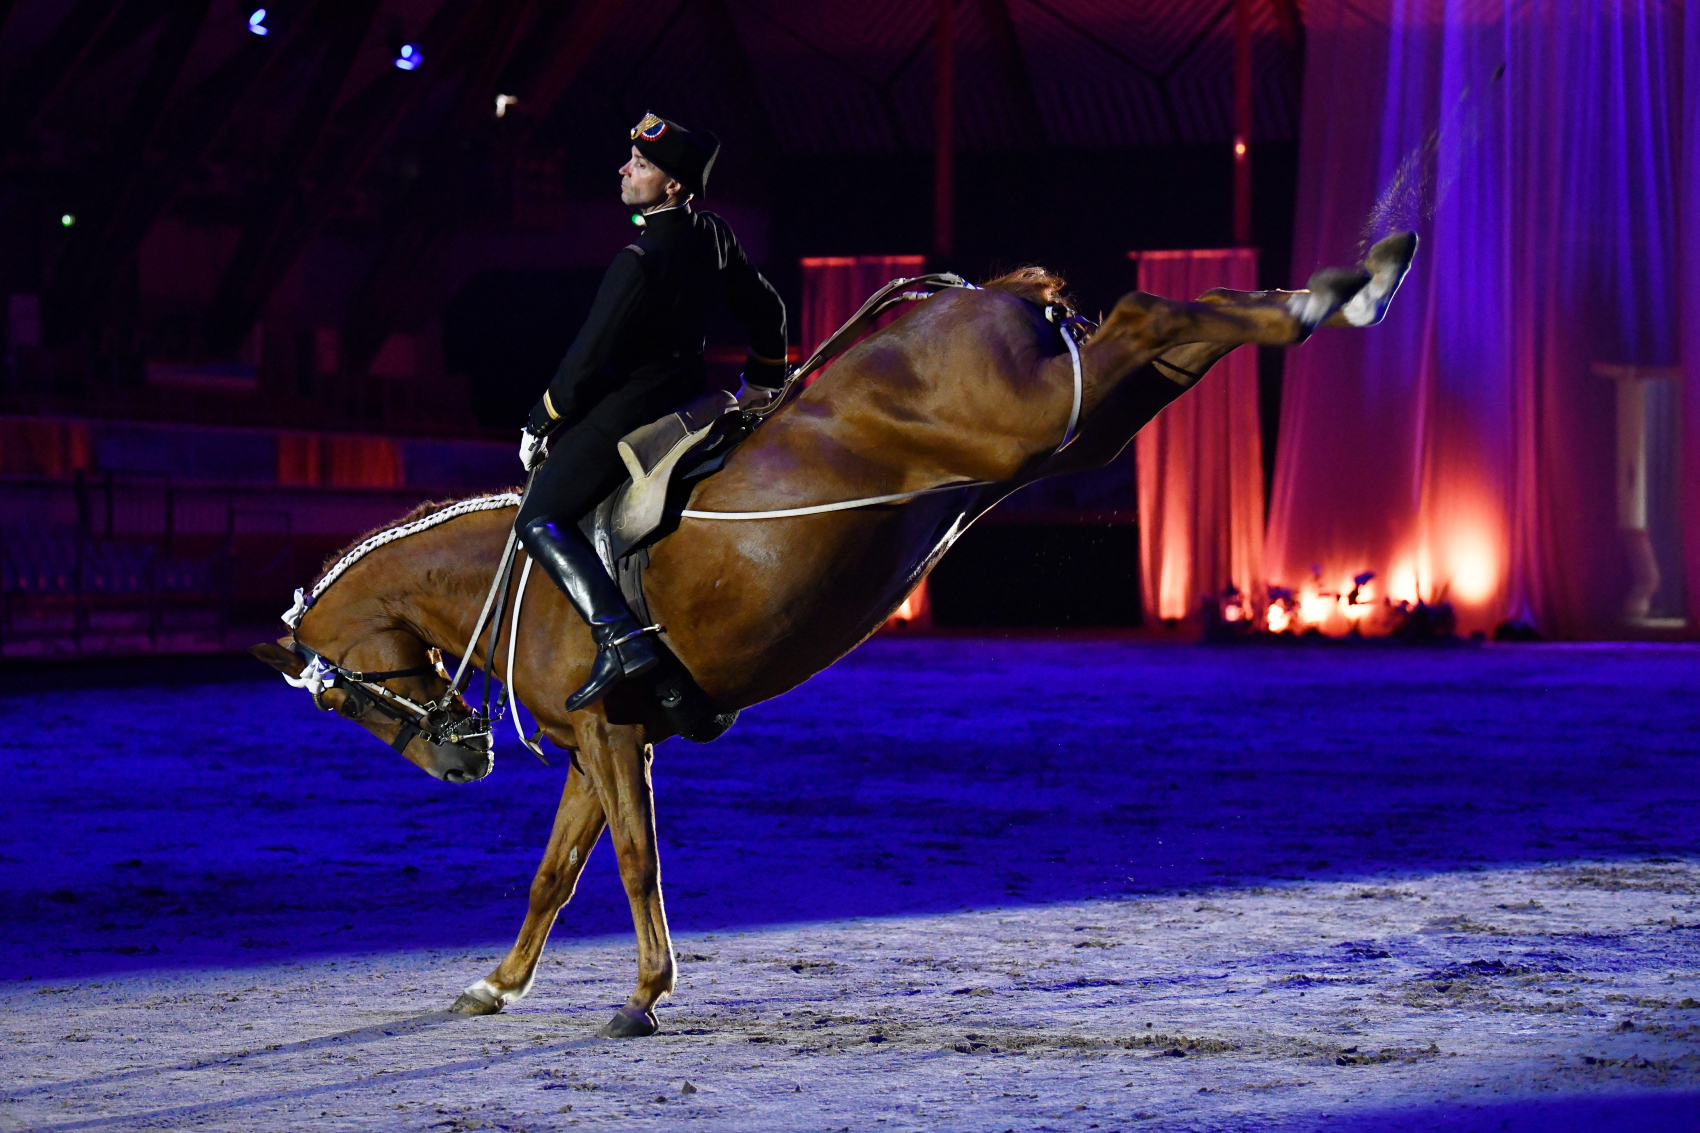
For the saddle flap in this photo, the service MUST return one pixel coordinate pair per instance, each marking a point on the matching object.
(657, 456)
(639, 507)
(645, 449)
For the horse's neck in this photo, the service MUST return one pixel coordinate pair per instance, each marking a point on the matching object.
(435, 582)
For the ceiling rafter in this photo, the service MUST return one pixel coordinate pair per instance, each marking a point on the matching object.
(1164, 95)
(389, 287)
(591, 21)
(1029, 122)
(289, 207)
(143, 189)
(34, 89)
(848, 67)
(642, 58)
(880, 87)
(739, 72)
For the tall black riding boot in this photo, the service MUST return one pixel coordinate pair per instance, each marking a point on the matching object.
(623, 649)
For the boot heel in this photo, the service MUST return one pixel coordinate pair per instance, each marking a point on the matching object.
(638, 656)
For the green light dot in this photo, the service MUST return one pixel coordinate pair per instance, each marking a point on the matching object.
(67, 220)
(637, 218)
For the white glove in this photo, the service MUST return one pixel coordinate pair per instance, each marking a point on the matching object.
(753, 396)
(532, 449)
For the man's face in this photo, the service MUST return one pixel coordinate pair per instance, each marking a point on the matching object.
(643, 184)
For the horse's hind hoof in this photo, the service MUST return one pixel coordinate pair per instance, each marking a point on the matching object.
(1328, 291)
(630, 1023)
(1387, 262)
(470, 1004)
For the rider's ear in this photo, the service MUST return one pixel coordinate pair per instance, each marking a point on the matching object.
(279, 658)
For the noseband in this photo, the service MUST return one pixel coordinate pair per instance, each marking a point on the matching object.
(365, 691)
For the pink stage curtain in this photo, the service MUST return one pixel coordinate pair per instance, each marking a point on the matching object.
(1690, 296)
(1467, 448)
(834, 288)
(332, 461)
(45, 447)
(1201, 460)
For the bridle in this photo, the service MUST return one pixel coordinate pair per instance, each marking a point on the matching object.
(366, 691)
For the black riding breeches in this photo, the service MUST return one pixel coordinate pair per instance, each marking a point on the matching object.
(583, 467)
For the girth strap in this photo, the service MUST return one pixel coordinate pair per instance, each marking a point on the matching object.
(1069, 326)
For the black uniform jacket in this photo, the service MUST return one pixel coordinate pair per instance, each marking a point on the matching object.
(640, 353)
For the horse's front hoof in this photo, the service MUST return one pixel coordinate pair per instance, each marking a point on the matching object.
(630, 1023)
(470, 1004)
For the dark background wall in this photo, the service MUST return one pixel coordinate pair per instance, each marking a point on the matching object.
(201, 224)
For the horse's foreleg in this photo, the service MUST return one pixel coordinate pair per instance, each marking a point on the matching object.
(618, 762)
(578, 824)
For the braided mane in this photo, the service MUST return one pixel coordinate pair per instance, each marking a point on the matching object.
(421, 512)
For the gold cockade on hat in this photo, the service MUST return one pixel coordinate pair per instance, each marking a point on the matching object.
(647, 127)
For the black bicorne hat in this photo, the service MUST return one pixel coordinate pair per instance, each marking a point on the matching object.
(682, 155)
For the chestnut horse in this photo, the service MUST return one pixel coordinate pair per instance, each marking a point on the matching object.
(971, 385)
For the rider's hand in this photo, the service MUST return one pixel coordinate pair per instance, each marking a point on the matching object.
(532, 449)
(752, 397)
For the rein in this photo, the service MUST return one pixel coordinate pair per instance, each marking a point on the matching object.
(881, 301)
(429, 719)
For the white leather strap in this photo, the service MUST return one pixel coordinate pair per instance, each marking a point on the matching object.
(1063, 327)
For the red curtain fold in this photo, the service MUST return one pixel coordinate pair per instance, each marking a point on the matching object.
(1467, 449)
(45, 447)
(834, 288)
(313, 459)
(1200, 461)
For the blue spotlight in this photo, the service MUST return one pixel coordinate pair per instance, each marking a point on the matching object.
(257, 22)
(409, 59)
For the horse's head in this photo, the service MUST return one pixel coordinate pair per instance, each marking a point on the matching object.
(441, 743)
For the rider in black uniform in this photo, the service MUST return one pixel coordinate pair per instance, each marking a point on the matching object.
(638, 357)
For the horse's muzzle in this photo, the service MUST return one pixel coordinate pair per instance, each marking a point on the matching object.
(459, 763)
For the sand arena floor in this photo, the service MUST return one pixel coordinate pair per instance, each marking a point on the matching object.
(949, 884)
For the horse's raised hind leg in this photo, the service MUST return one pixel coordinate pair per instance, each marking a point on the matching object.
(1154, 325)
(578, 824)
(1384, 267)
(617, 761)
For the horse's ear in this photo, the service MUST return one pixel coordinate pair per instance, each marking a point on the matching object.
(279, 658)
